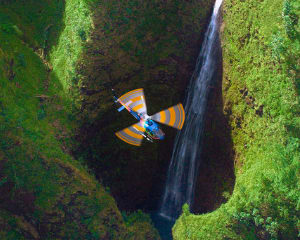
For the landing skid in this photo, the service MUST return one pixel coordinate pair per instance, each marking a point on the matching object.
(144, 135)
(147, 137)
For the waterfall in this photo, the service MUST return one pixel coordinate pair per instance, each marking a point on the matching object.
(182, 172)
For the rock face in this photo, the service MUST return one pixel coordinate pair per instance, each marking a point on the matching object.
(44, 192)
(148, 44)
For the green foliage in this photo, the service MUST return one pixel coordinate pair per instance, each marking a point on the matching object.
(134, 217)
(277, 45)
(2, 181)
(35, 21)
(9, 228)
(139, 225)
(285, 43)
(21, 60)
(186, 210)
(261, 97)
(39, 179)
(290, 19)
(65, 55)
(254, 224)
(7, 28)
(82, 34)
(41, 114)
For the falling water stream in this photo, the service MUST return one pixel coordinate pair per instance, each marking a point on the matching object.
(182, 172)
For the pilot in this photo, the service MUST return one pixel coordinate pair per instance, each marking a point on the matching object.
(149, 125)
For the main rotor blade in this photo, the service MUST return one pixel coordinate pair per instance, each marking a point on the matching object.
(137, 98)
(132, 135)
(173, 116)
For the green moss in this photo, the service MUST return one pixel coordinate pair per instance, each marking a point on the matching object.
(65, 54)
(38, 25)
(260, 89)
(39, 179)
(140, 225)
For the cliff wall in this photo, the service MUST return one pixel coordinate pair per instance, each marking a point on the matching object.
(44, 192)
(260, 96)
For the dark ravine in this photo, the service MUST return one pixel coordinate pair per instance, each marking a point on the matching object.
(135, 176)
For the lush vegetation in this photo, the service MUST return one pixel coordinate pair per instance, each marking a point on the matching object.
(57, 58)
(44, 192)
(260, 41)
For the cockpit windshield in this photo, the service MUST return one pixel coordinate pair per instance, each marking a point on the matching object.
(153, 129)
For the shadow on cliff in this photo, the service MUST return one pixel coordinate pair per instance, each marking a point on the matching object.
(216, 176)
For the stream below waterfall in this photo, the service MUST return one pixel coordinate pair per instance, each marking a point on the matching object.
(183, 168)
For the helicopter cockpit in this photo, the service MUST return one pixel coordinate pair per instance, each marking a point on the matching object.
(153, 129)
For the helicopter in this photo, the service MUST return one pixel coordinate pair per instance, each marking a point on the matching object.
(147, 126)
